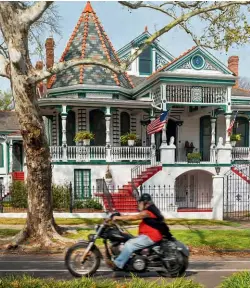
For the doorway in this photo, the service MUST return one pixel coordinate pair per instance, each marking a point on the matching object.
(170, 131)
(97, 125)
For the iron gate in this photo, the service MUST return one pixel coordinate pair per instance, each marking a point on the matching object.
(237, 193)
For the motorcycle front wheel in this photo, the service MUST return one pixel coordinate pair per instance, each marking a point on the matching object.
(73, 260)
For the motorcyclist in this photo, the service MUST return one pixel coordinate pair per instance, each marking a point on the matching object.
(151, 230)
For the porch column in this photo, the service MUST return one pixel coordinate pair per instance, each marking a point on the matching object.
(228, 121)
(108, 146)
(217, 200)
(153, 60)
(64, 136)
(213, 144)
(11, 155)
(152, 143)
(164, 134)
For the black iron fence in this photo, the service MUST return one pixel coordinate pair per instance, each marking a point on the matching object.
(102, 198)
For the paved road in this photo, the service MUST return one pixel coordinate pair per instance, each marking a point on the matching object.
(210, 273)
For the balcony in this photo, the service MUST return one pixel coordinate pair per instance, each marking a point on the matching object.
(173, 94)
(93, 153)
(241, 154)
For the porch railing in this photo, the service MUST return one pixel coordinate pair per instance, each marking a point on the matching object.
(241, 153)
(87, 153)
(130, 153)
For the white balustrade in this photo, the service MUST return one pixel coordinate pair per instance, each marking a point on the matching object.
(241, 153)
(87, 153)
(130, 153)
(56, 153)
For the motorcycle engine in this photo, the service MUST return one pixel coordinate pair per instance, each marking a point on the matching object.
(138, 263)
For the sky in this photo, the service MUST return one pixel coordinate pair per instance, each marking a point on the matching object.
(123, 25)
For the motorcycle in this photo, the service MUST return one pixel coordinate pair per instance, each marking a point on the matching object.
(167, 258)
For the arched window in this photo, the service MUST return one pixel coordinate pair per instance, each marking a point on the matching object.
(205, 137)
(145, 62)
(124, 123)
(241, 127)
(98, 127)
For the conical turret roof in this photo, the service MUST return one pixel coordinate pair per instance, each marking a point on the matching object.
(89, 40)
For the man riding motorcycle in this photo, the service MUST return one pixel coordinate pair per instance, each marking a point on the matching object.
(151, 230)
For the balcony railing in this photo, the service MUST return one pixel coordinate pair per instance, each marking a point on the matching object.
(241, 153)
(88, 153)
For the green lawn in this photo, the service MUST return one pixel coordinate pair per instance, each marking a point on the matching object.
(94, 221)
(214, 239)
(8, 232)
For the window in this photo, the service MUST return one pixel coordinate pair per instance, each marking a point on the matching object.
(145, 62)
(70, 128)
(124, 123)
(205, 137)
(1, 156)
(82, 183)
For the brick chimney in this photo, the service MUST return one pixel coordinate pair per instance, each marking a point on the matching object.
(49, 45)
(233, 65)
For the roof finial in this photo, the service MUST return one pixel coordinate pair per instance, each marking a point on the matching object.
(88, 8)
(146, 29)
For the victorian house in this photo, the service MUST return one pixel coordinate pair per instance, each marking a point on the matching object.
(199, 91)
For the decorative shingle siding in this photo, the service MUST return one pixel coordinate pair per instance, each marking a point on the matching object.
(54, 130)
(133, 124)
(116, 128)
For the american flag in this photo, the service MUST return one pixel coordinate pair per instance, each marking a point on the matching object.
(157, 124)
(230, 128)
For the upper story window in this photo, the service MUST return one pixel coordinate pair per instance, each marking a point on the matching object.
(145, 62)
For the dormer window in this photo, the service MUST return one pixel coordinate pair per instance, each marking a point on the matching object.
(145, 62)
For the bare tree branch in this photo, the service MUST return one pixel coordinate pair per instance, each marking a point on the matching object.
(34, 12)
(37, 75)
(178, 21)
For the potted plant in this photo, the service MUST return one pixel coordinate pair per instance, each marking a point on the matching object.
(194, 157)
(234, 138)
(129, 139)
(84, 136)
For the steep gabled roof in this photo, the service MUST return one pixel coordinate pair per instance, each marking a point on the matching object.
(89, 40)
(180, 60)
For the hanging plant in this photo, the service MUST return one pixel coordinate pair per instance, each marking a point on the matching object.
(108, 174)
(235, 137)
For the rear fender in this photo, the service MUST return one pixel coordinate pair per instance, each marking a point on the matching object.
(94, 247)
(182, 248)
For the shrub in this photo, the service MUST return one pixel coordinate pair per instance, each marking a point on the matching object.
(87, 204)
(19, 194)
(61, 196)
(237, 280)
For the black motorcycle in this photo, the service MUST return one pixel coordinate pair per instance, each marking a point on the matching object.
(167, 258)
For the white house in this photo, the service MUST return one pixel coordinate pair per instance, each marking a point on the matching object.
(201, 93)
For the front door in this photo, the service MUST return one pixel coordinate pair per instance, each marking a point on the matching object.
(205, 138)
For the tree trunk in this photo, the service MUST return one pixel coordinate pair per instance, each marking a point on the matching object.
(40, 225)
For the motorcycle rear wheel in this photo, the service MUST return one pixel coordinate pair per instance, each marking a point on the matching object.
(80, 247)
(176, 273)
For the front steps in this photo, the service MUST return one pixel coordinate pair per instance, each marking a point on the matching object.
(123, 200)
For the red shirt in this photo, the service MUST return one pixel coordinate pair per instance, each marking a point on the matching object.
(152, 233)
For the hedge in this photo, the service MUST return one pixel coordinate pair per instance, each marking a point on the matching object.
(30, 282)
